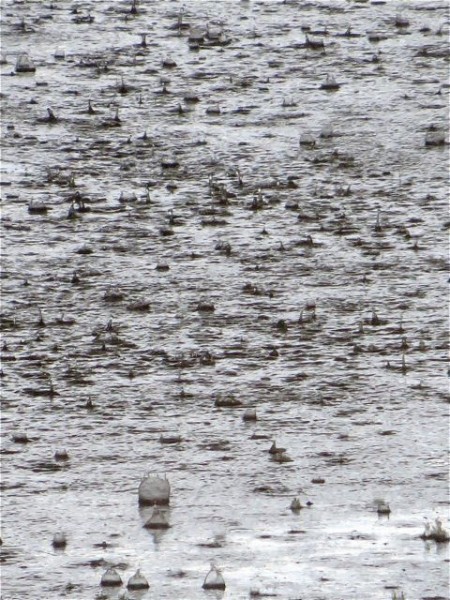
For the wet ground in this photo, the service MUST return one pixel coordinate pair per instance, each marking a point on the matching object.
(198, 222)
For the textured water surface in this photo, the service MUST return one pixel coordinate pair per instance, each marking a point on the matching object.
(174, 244)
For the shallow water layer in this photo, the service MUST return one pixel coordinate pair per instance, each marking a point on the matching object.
(217, 225)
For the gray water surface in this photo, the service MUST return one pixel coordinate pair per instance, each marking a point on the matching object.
(326, 267)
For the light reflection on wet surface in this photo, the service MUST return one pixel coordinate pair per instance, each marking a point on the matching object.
(326, 268)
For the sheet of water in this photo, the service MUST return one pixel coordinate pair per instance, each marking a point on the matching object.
(354, 225)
